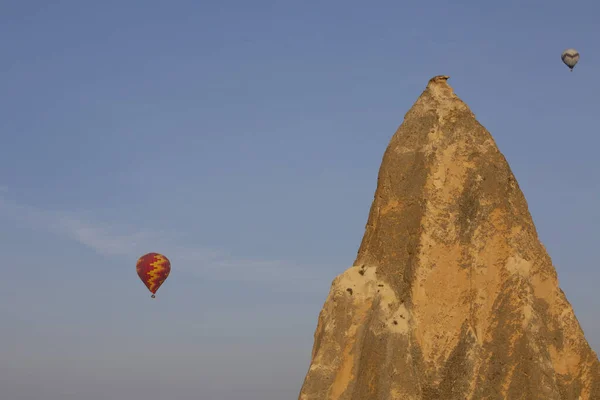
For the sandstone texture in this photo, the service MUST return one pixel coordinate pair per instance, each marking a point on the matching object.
(452, 296)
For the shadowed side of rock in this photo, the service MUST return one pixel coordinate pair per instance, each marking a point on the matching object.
(452, 295)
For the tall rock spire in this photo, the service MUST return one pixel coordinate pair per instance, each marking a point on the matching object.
(452, 296)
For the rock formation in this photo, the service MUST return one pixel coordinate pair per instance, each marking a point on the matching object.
(452, 296)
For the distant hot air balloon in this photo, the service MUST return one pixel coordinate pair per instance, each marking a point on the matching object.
(570, 57)
(153, 269)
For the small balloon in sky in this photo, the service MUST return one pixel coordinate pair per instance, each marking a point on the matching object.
(570, 57)
(153, 269)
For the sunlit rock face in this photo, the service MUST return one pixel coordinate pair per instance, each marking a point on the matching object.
(452, 296)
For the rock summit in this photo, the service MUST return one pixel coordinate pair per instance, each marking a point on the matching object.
(452, 296)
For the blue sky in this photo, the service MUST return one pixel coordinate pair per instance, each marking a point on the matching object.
(243, 140)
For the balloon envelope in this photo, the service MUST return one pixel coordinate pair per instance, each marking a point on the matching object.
(570, 57)
(153, 269)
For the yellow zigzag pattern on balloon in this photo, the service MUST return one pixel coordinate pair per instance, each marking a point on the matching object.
(157, 268)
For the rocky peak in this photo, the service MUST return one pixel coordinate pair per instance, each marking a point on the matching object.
(452, 295)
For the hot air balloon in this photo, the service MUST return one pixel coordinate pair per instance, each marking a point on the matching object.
(153, 269)
(570, 57)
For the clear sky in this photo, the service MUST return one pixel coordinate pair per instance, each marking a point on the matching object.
(243, 139)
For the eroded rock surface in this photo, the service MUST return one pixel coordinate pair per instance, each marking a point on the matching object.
(452, 296)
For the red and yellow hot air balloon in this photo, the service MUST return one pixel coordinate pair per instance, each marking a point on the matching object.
(153, 269)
